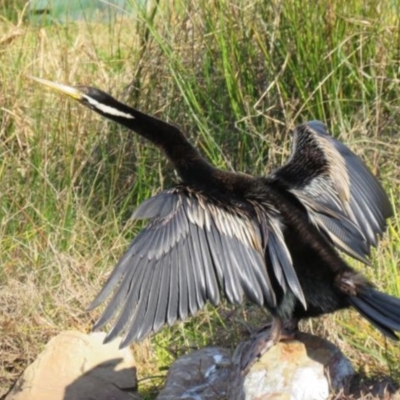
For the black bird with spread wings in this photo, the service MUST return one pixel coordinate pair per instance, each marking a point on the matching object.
(270, 239)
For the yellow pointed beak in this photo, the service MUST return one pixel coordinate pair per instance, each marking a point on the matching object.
(68, 90)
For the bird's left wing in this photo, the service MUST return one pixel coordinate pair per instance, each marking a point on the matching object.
(191, 249)
(340, 193)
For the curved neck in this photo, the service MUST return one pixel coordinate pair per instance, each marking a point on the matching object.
(190, 165)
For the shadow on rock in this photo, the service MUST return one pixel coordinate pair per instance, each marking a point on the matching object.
(75, 366)
(104, 382)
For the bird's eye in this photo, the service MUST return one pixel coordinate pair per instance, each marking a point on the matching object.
(86, 102)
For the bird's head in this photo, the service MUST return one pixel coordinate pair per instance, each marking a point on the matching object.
(93, 98)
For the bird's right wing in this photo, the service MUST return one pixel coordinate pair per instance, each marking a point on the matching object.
(340, 193)
(192, 249)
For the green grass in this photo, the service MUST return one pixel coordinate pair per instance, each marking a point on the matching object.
(237, 76)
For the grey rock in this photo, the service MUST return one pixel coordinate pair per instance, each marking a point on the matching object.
(201, 375)
(76, 366)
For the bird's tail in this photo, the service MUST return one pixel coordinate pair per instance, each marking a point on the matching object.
(381, 309)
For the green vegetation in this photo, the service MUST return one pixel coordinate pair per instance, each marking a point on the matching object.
(236, 76)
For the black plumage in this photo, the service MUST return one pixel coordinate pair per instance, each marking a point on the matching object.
(272, 240)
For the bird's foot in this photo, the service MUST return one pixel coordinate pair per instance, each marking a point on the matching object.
(289, 327)
(264, 339)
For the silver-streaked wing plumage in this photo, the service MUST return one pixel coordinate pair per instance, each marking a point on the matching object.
(341, 195)
(191, 250)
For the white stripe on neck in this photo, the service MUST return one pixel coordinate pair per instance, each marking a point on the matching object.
(107, 109)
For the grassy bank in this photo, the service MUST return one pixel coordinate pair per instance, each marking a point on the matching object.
(237, 76)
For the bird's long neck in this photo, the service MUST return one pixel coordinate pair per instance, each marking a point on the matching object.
(190, 165)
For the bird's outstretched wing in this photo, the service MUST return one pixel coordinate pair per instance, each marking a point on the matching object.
(341, 195)
(191, 249)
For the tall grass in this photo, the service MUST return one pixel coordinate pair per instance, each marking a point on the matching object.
(237, 76)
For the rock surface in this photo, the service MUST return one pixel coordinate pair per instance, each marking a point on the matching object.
(202, 375)
(76, 366)
(308, 368)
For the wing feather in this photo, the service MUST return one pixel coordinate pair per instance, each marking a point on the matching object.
(197, 271)
(162, 304)
(251, 286)
(283, 260)
(135, 321)
(130, 306)
(173, 303)
(153, 302)
(210, 278)
(233, 287)
(183, 290)
(189, 265)
(129, 283)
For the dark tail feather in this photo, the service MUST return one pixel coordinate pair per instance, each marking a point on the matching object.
(382, 310)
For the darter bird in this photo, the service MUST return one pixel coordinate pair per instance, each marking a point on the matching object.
(271, 239)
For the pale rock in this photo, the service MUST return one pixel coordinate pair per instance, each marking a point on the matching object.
(76, 366)
(308, 368)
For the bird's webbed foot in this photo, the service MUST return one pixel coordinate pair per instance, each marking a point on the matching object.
(264, 339)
